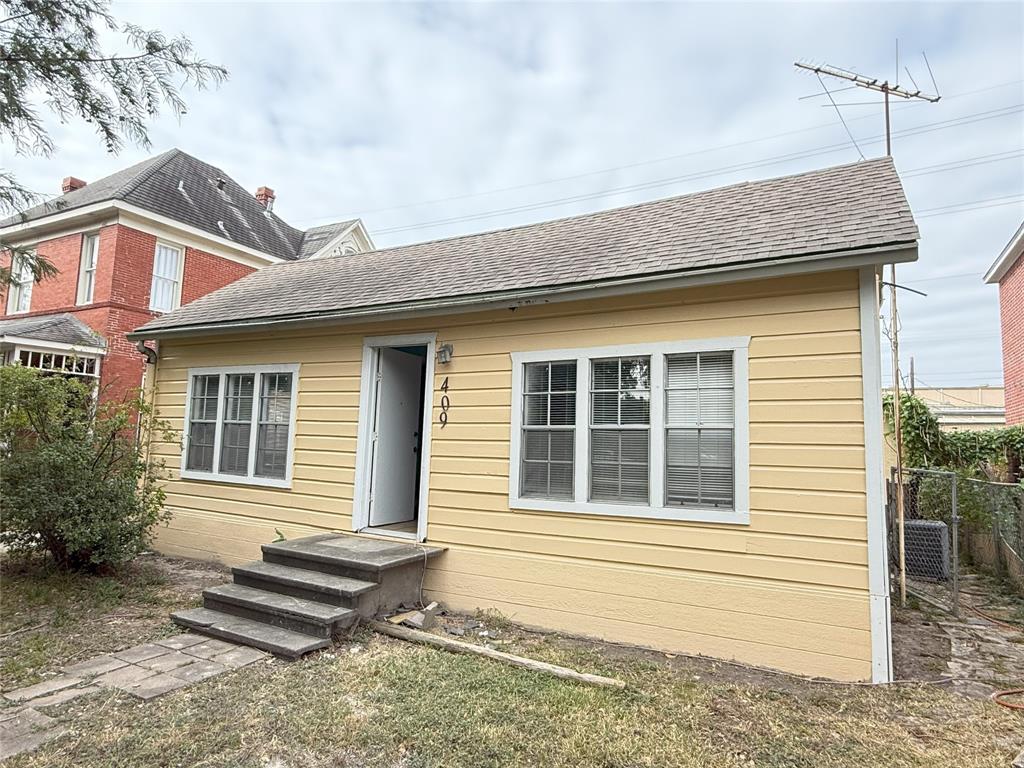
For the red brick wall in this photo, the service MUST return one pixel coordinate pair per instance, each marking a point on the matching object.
(120, 304)
(205, 273)
(1011, 310)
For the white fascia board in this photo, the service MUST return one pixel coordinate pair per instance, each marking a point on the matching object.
(1010, 253)
(117, 211)
(361, 230)
(60, 223)
(143, 220)
(600, 289)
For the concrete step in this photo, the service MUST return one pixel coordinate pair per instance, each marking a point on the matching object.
(294, 613)
(302, 582)
(280, 642)
(352, 556)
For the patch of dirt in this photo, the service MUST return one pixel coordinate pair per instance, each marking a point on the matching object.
(920, 647)
(188, 576)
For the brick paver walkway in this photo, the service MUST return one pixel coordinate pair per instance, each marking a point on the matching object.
(145, 671)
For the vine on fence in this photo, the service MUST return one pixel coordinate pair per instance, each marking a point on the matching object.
(993, 454)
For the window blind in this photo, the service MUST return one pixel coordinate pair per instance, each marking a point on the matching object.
(620, 415)
(699, 424)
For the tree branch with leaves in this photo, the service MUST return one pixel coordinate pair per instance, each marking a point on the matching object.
(52, 61)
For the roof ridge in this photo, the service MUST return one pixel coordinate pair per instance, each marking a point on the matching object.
(631, 206)
(147, 173)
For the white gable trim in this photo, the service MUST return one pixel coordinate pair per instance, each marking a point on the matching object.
(354, 231)
(1011, 252)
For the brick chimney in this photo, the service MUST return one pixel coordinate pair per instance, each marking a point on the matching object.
(265, 195)
(70, 184)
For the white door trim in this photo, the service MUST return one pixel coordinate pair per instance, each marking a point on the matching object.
(364, 441)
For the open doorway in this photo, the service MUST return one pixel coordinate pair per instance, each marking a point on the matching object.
(394, 433)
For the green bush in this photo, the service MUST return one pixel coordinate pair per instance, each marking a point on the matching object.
(73, 479)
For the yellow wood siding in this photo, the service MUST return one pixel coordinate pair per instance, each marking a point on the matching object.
(789, 590)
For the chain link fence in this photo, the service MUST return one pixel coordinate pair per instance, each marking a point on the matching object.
(950, 522)
(993, 529)
(926, 558)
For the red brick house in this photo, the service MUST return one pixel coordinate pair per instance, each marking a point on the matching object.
(140, 242)
(1008, 272)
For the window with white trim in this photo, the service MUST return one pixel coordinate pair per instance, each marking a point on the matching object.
(620, 429)
(19, 294)
(165, 291)
(241, 424)
(549, 426)
(657, 430)
(699, 427)
(87, 268)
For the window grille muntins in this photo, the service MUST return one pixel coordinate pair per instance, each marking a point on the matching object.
(87, 269)
(620, 417)
(241, 425)
(549, 427)
(699, 424)
(19, 295)
(63, 363)
(165, 291)
(645, 430)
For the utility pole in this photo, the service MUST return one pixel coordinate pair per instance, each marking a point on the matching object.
(887, 90)
(897, 419)
(874, 84)
(912, 388)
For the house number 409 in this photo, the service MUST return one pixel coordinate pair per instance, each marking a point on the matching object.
(446, 403)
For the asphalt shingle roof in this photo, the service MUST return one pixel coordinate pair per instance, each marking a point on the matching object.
(838, 209)
(63, 328)
(184, 188)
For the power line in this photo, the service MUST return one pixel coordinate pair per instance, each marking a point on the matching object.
(641, 163)
(923, 215)
(955, 165)
(750, 165)
(1015, 197)
(945, 277)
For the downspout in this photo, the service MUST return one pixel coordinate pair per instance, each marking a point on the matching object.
(147, 352)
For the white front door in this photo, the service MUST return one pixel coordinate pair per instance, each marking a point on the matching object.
(396, 458)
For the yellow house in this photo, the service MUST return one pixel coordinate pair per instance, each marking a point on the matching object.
(657, 425)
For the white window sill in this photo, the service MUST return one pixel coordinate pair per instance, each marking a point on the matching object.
(643, 512)
(212, 477)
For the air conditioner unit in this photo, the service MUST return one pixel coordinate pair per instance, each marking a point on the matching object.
(927, 549)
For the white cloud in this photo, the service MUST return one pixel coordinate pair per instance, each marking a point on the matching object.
(350, 108)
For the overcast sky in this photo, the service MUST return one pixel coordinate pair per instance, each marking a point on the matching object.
(413, 114)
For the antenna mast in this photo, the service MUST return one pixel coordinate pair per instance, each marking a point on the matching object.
(887, 90)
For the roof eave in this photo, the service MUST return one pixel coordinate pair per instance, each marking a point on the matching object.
(899, 252)
(1007, 258)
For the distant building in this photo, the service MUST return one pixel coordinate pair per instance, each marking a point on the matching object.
(962, 408)
(1008, 272)
(134, 245)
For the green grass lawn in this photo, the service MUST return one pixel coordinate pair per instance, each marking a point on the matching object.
(377, 701)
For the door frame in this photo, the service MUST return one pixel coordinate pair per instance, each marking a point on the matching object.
(364, 441)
